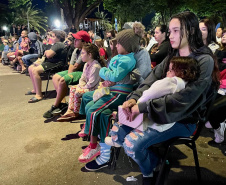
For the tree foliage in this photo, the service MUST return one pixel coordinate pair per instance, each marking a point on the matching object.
(75, 11)
(104, 22)
(22, 11)
(127, 10)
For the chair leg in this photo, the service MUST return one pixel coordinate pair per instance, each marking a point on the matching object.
(160, 179)
(197, 167)
(114, 157)
(45, 96)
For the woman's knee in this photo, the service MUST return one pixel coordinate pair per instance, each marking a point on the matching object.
(131, 143)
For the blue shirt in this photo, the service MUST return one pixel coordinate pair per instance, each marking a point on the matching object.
(6, 48)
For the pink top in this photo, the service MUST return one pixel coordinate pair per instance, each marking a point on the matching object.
(25, 44)
(90, 77)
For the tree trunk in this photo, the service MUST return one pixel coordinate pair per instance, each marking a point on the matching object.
(82, 11)
(79, 13)
(223, 19)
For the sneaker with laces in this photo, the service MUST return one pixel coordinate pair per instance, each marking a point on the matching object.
(110, 142)
(219, 133)
(49, 114)
(82, 132)
(93, 166)
(89, 154)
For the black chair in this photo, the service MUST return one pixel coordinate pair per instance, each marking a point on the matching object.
(52, 71)
(162, 175)
(188, 141)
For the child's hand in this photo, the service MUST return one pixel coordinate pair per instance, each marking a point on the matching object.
(81, 91)
(108, 83)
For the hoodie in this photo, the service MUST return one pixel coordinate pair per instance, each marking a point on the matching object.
(36, 47)
(181, 106)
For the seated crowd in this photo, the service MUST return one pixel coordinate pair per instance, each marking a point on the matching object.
(165, 74)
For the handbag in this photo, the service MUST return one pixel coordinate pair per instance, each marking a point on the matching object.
(140, 122)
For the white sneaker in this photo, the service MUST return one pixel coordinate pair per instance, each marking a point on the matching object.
(219, 133)
(208, 125)
(110, 142)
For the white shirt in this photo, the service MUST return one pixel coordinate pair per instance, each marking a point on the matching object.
(151, 43)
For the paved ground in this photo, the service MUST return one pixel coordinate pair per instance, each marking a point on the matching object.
(35, 151)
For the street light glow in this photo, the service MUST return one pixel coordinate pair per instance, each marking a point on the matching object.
(5, 28)
(57, 23)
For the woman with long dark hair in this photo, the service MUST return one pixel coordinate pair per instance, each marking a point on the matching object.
(207, 28)
(221, 52)
(178, 108)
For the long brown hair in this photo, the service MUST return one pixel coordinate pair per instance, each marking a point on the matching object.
(99, 43)
(94, 51)
(189, 23)
(114, 52)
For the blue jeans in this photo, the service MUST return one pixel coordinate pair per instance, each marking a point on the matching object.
(26, 58)
(136, 143)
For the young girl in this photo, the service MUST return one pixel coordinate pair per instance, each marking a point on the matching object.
(98, 114)
(88, 81)
(100, 45)
(24, 47)
(221, 52)
(182, 70)
(180, 107)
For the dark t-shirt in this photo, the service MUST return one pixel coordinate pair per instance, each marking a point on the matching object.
(60, 55)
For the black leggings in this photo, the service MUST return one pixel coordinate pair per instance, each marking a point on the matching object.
(218, 113)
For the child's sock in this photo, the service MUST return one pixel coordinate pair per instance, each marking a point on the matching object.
(105, 152)
(93, 145)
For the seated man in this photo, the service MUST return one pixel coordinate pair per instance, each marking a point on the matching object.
(54, 57)
(62, 79)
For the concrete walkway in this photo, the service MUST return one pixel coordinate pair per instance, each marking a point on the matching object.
(35, 151)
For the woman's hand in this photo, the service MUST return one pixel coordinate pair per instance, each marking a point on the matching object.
(126, 108)
(135, 111)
